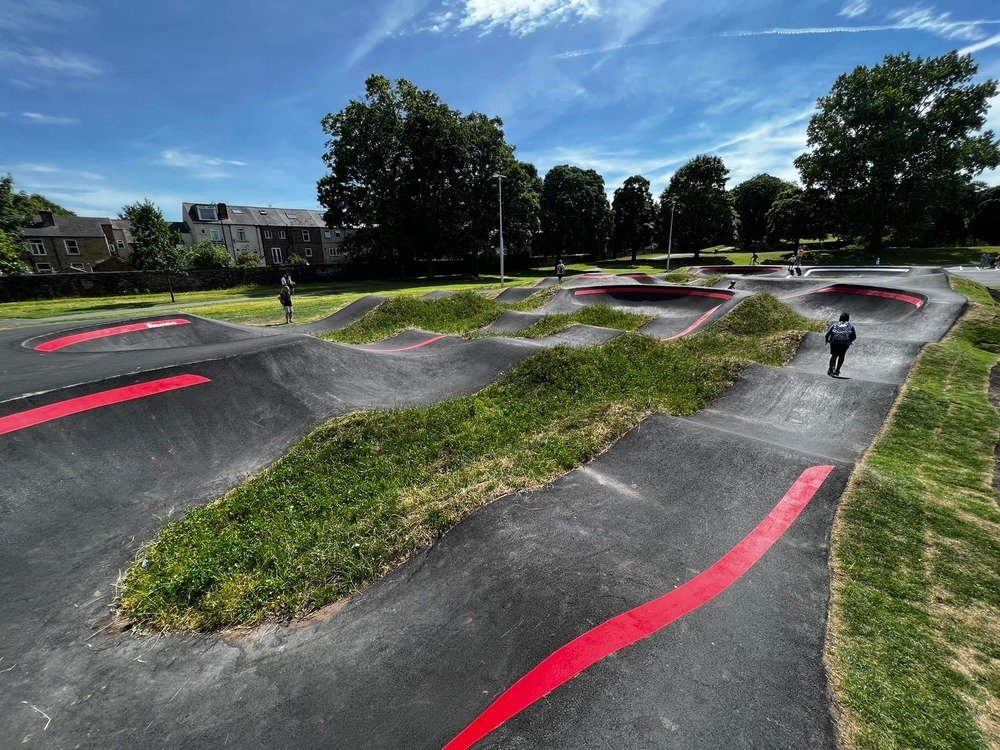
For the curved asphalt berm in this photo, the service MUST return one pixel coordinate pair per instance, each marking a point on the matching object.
(413, 660)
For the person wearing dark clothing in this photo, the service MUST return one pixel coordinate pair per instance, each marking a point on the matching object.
(560, 270)
(839, 336)
(285, 298)
(753, 259)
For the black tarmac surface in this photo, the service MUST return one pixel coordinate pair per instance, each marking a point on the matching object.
(412, 660)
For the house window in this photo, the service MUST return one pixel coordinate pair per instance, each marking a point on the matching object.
(43, 267)
(276, 255)
(282, 235)
(291, 216)
(72, 248)
(215, 234)
(327, 234)
(121, 244)
(207, 213)
(267, 234)
(305, 235)
(37, 248)
(77, 266)
(309, 252)
(242, 235)
(335, 251)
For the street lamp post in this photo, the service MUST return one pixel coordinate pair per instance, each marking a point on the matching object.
(500, 200)
(670, 236)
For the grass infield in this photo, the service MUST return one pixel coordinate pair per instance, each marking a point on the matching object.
(914, 642)
(359, 495)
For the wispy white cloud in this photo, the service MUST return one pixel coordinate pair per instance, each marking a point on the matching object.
(100, 199)
(49, 169)
(393, 18)
(769, 145)
(18, 15)
(39, 60)
(210, 167)
(925, 19)
(854, 8)
(39, 119)
(984, 44)
(519, 17)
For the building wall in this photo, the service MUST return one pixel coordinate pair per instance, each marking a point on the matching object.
(292, 242)
(91, 250)
(250, 242)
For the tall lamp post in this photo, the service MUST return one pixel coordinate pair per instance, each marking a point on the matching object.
(670, 236)
(500, 201)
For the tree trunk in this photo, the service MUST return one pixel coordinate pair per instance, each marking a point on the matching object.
(633, 253)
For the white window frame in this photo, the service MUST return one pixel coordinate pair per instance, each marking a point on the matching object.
(305, 235)
(241, 233)
(267, 234)
(276, 256)
(327, 234)
(47, 268)
(207, 213)
(121, 244)
(78, 266)
(282, 234)
(76, 247)
(309, 252)
(37, 247)
(215, 234)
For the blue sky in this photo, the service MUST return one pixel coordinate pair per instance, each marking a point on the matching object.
(111, 101)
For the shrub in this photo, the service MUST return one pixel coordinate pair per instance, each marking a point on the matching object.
(297, 260)
(247, 260)
(207, 255)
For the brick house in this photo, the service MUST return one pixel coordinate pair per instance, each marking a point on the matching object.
(72, 244)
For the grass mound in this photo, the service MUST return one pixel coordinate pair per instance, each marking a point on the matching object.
(359, 495)
(915, 626)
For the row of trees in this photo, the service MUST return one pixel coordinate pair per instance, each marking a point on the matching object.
(893, 153)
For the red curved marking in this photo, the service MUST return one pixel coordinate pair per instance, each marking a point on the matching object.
(908, 298)
(76, 338)
(694, 326)
(652, 290)
(412, 346)
(41, 414)
(646, 619)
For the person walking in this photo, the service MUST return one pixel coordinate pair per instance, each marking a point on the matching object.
(560, 270)
(839, 336)
(286, 280)
(285, 297)
(753, 259)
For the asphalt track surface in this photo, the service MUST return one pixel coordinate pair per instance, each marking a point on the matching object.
(672, 593)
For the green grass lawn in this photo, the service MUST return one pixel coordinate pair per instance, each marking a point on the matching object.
(362, 493)
(914, 648)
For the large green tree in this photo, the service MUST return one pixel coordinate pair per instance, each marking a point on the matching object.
(634, 216)
(795, 213)
(575, 215)
(704, 208)
(893, 145)
(17, 210)
(417, 179)
(155, 246)
(752, 199)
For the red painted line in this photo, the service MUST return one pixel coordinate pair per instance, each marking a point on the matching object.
(696, 325)
(908, 298)
(412, 346)
(674, 291)
(646, 619)
(76, 338)
(41, 414)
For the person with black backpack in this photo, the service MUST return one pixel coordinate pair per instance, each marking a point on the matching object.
(840, 336)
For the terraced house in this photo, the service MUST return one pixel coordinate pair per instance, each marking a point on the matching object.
(75, 244)
(272, 234)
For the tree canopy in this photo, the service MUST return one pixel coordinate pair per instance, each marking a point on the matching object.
(704, 209)
(207, 255)
(892, 145)
(752, 199)
(575, 214)
(416, 179)
(155, 245)
(634, 216)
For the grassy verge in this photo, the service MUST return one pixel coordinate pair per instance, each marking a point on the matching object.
(914, 640)
(360, 494)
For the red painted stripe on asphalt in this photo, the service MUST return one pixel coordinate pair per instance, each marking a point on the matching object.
(76, 338)
(646, 619)
(41, 414)
(412, 346)
(696, 325)
(908, 298)
(652, 290)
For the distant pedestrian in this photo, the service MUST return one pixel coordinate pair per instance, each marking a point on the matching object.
(983, 260)
(791, 264)
(840, 336)
(799, 254)
(560, 270)
(285, 297)
(286, 280)
(753, 259)
(878, 262)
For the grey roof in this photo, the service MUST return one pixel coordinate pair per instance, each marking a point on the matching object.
(263, 216)
(68, 226)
